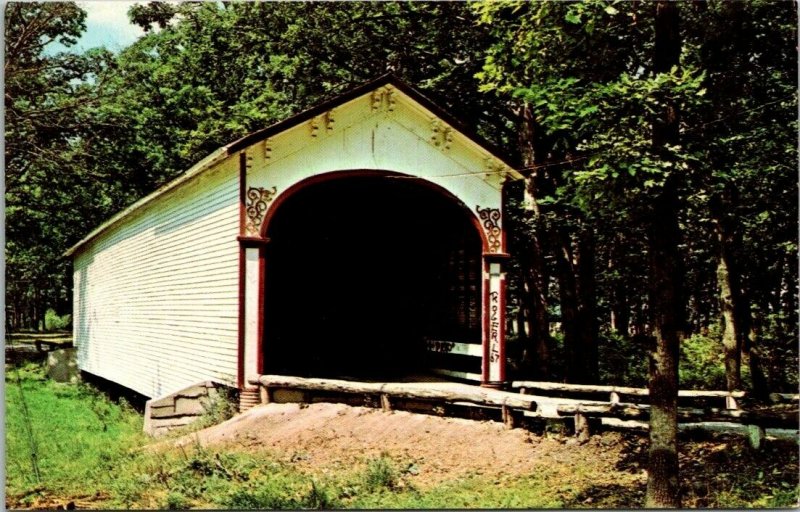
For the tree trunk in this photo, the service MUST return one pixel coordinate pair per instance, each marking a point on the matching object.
(576, 285)
(663, 488)
(620, 307)
(730, 335)
(586, 302)
(535, 352)
(728, 285)
(536, 355)
(662, 483)
(569, 311)
(750, 347)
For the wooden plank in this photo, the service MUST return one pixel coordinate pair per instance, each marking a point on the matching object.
(784, 397)
(448, 392)
(453, 347)
(456, 374)
(620, 390)
(781, 419)
(156, 295)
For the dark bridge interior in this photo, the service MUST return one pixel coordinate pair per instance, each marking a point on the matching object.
(360, 270)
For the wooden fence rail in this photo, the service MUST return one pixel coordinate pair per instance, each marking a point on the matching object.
(586, 414)
(445, 392)
(615, 393)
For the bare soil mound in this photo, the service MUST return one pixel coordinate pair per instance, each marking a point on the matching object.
(337, 436)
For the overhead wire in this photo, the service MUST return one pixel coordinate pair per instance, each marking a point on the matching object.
(587, 156)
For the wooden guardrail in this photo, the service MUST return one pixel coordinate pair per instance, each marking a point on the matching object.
(616, 393)
(515, 406)
(445, 392)
(585, 414)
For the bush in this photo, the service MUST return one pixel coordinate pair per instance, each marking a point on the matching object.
(702, 362)
(54, 322)
(176, 501)
(622, 360)
(221, 406)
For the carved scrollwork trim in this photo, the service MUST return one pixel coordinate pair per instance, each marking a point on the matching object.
(258, 200)
(490, 220)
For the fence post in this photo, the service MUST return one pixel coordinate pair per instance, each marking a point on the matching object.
(755, 434)
(582, 428)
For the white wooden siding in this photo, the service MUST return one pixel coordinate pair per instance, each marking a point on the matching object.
(156, 295)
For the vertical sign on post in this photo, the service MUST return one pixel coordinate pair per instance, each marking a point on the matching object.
(496, 324)
(251, 312)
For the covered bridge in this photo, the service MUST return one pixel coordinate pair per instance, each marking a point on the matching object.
(362, 238)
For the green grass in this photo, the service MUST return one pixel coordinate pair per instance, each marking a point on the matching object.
(79, 436)
(91, 451)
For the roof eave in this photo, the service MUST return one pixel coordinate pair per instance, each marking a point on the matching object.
(195, 170)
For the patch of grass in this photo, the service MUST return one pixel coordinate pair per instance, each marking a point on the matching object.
(380, 474)
(79, 436)
(55, 322)
(474, 492)
(176, 501)
(281, 492)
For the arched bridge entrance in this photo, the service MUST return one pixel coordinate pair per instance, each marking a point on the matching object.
(367, 275)
(371, 243)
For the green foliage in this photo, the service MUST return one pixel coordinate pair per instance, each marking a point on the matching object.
(702, 361)
(220, 406)
(55, 322)
(50, 195)
(623, 360)
(779, 349)
(784, 498)
(176, 501)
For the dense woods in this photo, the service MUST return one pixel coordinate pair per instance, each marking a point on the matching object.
(655, 234)
(573, 92)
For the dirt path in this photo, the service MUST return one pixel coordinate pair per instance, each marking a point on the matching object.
(336, 436)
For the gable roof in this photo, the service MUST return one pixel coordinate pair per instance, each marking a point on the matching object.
(248, 140)
(387, 79)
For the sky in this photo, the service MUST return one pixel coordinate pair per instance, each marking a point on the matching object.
(106, 25)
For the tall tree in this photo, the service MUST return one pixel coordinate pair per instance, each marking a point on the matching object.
(666, 301)
(48, 96)
(217, 71)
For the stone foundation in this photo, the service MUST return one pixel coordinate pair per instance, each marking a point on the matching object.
(180, 408)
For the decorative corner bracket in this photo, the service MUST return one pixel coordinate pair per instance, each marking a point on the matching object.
(258, 200)
(267, 148)
(493, 167)
(442, 135)
(383, 99)
(329, 120)
(326, 120)
(313, 126)
(490, 220)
